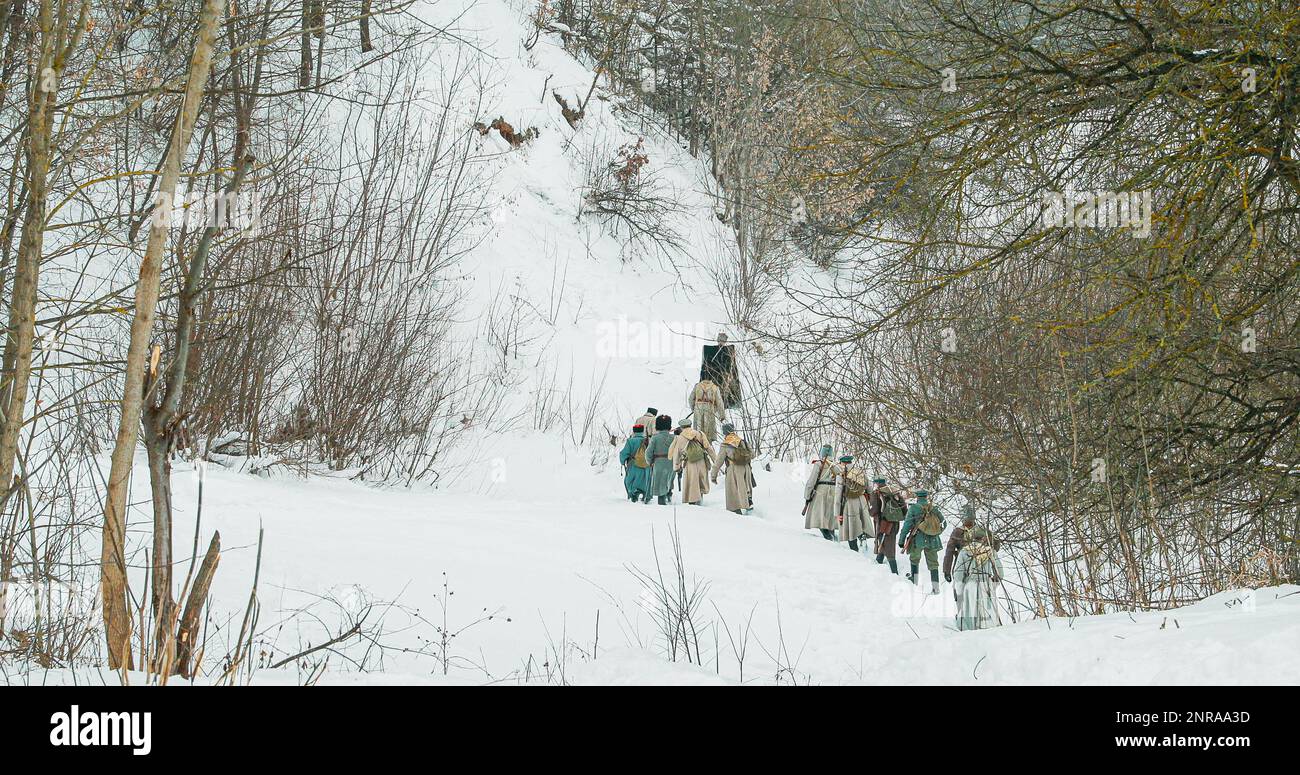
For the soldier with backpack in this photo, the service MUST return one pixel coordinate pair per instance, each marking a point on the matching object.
(675, 450)
(887, 508)
(694, 456)
(851, 503)
(921, 531)
(636, 466)
(956, 539)
(819, 495)
(661, 463)
(737, 456)
(705, 400)
(976, 574)
(648, 420)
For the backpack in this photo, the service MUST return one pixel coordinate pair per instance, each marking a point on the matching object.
(930, 523)
(743, 454)
(702, 391)
(892, 507)
(638, 459)
(694, 451)
(855, 482)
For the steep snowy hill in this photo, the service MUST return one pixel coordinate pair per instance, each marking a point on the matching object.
(586, 322)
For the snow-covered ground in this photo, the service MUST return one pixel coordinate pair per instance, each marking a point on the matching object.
(554, 553)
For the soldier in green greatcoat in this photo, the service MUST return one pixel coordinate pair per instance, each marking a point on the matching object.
(920, 534)
(661, 462)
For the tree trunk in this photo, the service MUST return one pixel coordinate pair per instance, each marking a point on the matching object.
(187, 631)
(117, 618)
(22, 306)
(304, 64)
(161, 419)
(160, 489)
(365, 27)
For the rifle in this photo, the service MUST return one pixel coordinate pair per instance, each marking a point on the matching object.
(907, 541)
(820, 468)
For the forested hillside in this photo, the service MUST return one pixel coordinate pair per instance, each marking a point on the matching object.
(321, 311)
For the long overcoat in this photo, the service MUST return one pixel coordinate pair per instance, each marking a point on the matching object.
(695, 476)
(857, 521)
(635, 479)
(819, 493)
(975, 576)
(661, 465)
(740, 476)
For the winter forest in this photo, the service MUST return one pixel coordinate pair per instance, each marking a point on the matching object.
(961, 339)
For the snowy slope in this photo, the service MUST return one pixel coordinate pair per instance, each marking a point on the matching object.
(547, 566)
(598, 322)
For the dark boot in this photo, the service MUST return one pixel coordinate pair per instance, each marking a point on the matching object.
(880, 559)
(916, 569)
(853, 544)
(828, 535)
(934, 581)
(663, 500)
(893, 566)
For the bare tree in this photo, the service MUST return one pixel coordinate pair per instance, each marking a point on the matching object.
(117, 621)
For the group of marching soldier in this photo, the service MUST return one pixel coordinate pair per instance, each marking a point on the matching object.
(683, 456)
(838, 501)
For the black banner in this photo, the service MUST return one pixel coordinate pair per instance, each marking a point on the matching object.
(356, 724)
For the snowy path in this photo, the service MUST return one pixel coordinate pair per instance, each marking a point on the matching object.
(547, 562)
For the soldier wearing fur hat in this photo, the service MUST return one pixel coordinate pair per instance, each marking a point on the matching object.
(661, 463)
(920, 534)
(636, 465)
(647, 420)
(851, 503)
(819, 495)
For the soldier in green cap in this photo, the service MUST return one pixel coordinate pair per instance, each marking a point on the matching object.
(921, 531)
(819, 495)
(888, 508)
(851, 503)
